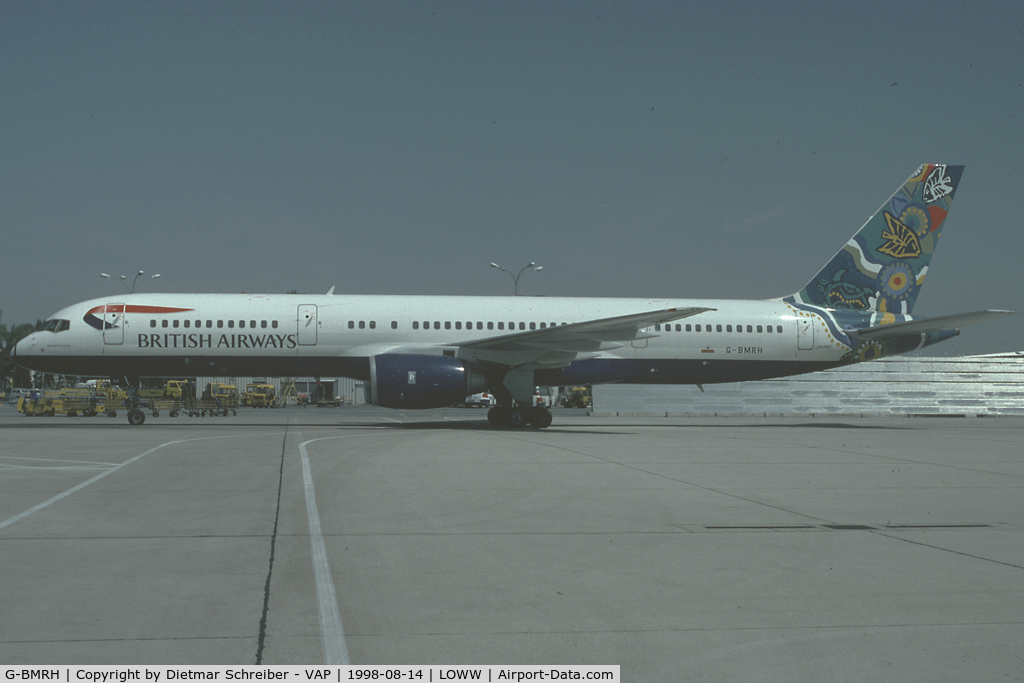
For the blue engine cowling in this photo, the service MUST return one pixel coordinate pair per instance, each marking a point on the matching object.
(401, 380)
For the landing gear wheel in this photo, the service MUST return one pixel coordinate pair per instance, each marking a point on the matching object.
(136, 417)
(497, 416)
(541, 418)
(517, 418)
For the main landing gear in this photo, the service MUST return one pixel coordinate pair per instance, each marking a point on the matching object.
(517, 417)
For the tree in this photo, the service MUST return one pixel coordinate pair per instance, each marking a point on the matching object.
(10, 373)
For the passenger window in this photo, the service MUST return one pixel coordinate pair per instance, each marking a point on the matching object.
(760, 329)
(490, 325)
(749, 328)
(688, 328)
(415, 324)
(351, 324)
(458, 324)
(263, 324)
(501, 326)
(231, 324)
(252, 324)
(394, 324)
(187, 323)
(718, 328)
(533, 326)
(522, 326)
(273, 324)
(199, 323)
(679, 328)
(657, 328)
(447, 324)
(698, 328)
(778, 328)
(362, 324)
(543, 326)
(373, 324)
(437, 324)
(163, 323)
(152, 323)
(479, 326)
(728, 328)
(220, 323)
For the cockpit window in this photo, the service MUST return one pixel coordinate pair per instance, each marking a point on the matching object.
(55, 325)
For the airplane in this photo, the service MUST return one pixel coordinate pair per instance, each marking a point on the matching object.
(418, 352)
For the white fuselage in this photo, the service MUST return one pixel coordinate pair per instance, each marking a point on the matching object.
(286, 335)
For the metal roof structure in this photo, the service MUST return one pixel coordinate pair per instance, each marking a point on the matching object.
(965, 385)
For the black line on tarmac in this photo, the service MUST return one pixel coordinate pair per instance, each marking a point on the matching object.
(948, 550)
(273, 543)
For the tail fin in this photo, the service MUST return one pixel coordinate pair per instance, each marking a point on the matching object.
(883, 266)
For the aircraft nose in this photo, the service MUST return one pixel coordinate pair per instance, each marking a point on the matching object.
(23, 346)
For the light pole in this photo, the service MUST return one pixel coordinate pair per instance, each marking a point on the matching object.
(124, 280)
(515, 278)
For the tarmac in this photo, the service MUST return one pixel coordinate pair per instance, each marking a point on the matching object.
(789, 549)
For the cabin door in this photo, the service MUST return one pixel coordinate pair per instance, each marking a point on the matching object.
(307, 325)
(805, 333)
(113, 323)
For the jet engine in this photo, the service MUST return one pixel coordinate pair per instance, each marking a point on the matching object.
(412, 381)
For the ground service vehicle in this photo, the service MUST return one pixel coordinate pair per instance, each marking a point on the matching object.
(259, 395)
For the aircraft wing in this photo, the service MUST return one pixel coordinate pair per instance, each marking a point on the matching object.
(946, 322)
(560, 345)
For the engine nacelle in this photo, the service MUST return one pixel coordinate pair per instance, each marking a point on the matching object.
(402, 380)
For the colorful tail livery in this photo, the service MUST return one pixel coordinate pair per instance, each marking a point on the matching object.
(882, 267)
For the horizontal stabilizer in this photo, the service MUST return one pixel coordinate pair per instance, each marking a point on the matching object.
(946, 322)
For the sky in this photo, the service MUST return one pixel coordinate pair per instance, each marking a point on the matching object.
(641, 149)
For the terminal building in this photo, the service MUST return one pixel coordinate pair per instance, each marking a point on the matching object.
(969, 386)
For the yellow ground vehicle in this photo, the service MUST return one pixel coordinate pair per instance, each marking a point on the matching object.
(576, 397)
(217, 399)
(259, 395)
(176, 395)
(87, 401)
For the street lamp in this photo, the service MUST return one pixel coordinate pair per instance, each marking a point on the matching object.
(515, 278)
(124, 280)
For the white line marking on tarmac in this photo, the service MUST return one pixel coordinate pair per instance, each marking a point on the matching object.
(5, 466)
(331, 631)
(65, 494)
(115, 468)
(76, 462)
